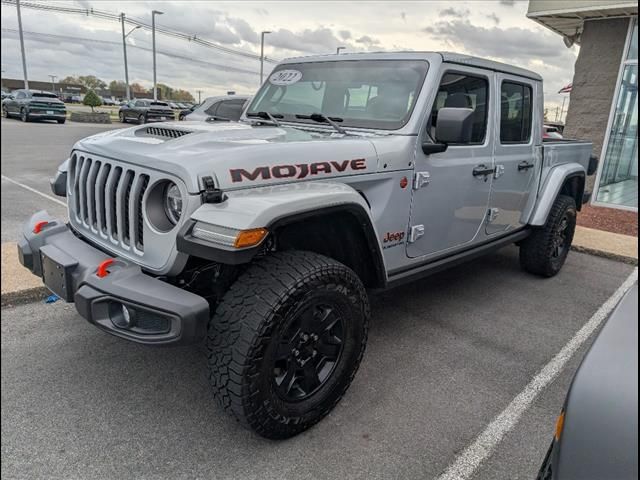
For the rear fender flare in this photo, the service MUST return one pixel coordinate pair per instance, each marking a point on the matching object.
(551, 188)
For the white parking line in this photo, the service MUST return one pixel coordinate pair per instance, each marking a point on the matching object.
(468, 462)
(27, 187)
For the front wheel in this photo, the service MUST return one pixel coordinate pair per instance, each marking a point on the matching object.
(142, 119)
(545, 250)
(123, 119)
(5, 112)
(286, 341)
(24, 115)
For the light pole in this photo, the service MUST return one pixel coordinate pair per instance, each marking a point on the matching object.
(262, 34)
(124, 49)
(338, 50)
(24, 58)
(53, 82)
(153, 41)
(199, 92)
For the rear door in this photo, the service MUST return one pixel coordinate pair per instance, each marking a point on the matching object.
(517, 159)
(449, 202)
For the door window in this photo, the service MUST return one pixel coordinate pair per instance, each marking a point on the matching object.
(515, 113)
(21, 95)
(458, 90)
(212, 109)
(231, 109)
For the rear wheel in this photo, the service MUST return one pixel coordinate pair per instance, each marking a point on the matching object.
(62, 120)
(286, 340)
(545, 250)
(5, 112)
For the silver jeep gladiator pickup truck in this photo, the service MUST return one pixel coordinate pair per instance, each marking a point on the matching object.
(346, 174)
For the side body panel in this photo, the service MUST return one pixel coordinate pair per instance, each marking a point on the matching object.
(452, 206)
(518, 165)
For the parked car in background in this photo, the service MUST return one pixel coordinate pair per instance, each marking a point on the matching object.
(108, 101)
(174, 105)
(143, 111)
(227, 108)
(5, 94)
(182, 114)
(72, 99)
(30, 105)
(596, 434)
(551, 131)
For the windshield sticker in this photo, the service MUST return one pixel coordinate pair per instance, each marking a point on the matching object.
(285, 77)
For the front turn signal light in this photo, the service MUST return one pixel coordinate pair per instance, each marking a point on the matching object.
(559, 426)
(250, 238)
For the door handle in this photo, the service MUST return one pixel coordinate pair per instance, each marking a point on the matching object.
(482, 170)
(525, 166)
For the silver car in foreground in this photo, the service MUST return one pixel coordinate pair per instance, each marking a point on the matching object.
(596, 435)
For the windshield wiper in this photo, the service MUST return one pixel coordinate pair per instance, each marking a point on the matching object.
(267, 116)
(320, 118)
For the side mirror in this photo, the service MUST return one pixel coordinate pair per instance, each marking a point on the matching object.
(454, 125)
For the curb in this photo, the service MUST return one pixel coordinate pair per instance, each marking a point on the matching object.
(20, 297)
(601, 253)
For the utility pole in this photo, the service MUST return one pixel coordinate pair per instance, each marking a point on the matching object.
(199, 92)
(124, 49)
(24, 58)
(53, 82)
(338, 50)
(153, 41)
(262, 34)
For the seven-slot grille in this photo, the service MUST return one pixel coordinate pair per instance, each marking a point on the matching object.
(107, 200)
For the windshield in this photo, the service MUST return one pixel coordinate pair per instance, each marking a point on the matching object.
(356, 93)
(45, 95)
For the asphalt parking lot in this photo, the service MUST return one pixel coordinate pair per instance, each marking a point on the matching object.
(445, 356)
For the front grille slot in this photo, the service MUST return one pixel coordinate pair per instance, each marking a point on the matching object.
(107, 199)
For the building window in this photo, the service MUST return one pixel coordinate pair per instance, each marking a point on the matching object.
(618, 179)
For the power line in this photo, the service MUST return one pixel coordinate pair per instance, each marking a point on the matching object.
(135, 22)
(44, 36)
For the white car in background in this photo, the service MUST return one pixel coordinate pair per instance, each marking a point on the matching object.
(223, 108)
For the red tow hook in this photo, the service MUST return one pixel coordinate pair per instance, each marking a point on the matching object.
(102, 268)
(37, 228)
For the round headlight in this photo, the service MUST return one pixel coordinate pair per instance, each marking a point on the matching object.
(172, 202)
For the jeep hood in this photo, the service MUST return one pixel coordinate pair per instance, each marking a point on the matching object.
(236, 155)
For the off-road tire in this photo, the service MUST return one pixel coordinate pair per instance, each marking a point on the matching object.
(249, 325)
(540, 253)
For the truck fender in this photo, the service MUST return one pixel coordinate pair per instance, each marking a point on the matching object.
(275, 206)
(551, 188)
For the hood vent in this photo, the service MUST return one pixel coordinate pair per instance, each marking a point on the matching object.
(165, 132)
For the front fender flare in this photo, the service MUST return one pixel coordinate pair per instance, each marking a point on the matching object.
(271, 207)
(551, 188)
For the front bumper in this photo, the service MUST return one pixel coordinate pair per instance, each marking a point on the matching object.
(159, 313)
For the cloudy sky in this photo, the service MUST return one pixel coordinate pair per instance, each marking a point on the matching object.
(70, 44)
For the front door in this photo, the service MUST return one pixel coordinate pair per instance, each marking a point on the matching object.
(517, 158)
(450, 203)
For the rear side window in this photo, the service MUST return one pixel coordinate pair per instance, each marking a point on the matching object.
(458, 90)
(515, 112)
(231, 109)
(212, 109)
